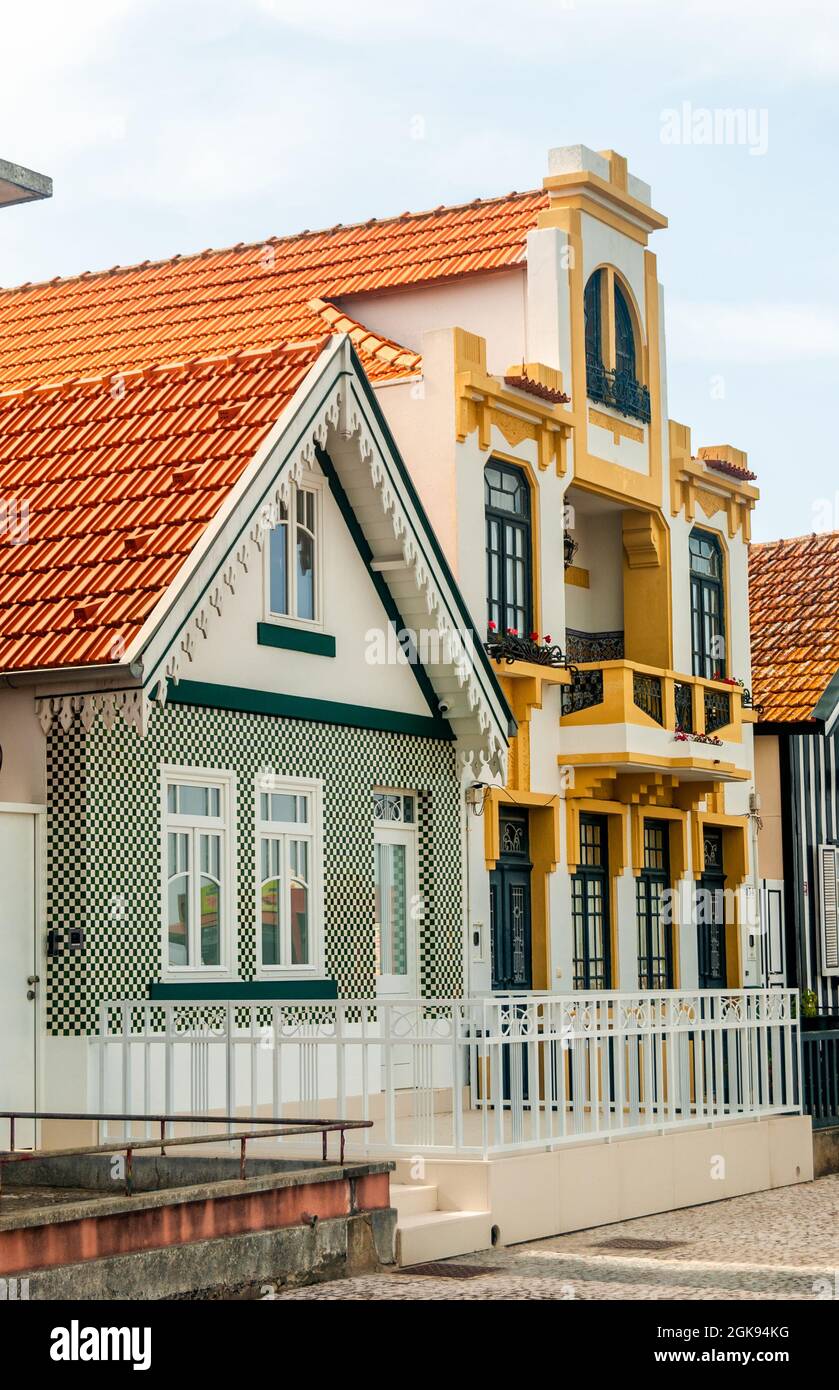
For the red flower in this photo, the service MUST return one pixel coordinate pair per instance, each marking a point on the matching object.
(534, 637)
(512, 632)
(492, 626)
(547, 637)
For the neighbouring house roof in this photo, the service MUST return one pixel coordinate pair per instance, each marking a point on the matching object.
(252, 296)
(794, 604)
(119, 476)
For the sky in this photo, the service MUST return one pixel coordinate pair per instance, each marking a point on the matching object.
(171, 127)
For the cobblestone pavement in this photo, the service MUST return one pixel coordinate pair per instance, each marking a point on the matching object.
(770, 1245)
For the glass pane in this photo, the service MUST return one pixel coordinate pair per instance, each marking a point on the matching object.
(210, 922)
(187, 799)
(299, 859)
(305, 575)
(287, 808)
(299, 922)
(178, 920)
(209, 851)
(278, 569)
(392, 908)
(271, 922)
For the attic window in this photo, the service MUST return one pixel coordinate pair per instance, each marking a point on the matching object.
(294, 549)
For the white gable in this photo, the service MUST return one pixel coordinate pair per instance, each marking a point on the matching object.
(352, 613)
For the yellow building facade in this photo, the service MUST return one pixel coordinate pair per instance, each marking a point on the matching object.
(604, 561)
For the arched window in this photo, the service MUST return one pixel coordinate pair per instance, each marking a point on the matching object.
(612, 350)
(594, 351)
(707, 605)
(624, 336)
(509, 576)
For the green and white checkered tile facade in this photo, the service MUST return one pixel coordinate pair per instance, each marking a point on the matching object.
(104, 846)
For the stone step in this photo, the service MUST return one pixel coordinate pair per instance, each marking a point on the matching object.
(410, 1199)
(439, 1235)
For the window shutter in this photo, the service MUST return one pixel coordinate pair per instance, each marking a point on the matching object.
(829, 883)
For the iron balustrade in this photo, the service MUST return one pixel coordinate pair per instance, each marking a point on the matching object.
(617, 389)
(494, 1074)
(508, 647)
(584, 692)
(684, 705)
(820, 1075)
(647, 695)
(717, 709)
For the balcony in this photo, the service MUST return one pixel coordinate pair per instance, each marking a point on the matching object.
(648, 716)
(617, 389)
(525, 657)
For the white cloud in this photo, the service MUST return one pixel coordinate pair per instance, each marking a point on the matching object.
(752, 334)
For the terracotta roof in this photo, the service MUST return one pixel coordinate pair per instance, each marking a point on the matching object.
(121, 476)
(794, 603)
(249, 295)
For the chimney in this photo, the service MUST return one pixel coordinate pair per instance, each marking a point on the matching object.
(19, 185)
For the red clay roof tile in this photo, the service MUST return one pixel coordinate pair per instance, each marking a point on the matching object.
(72, 587)
(794, 605)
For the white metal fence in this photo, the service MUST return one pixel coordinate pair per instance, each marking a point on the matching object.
(477, 1076)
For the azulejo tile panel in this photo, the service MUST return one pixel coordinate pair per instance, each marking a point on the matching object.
(104, 846)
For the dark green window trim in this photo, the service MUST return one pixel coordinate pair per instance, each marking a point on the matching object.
(295, 639)
(245, 701)
(242, 990)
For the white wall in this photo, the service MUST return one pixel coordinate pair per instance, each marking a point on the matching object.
(489, 305)
(351, 609)
(23, 776)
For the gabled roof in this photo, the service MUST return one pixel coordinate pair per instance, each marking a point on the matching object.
(148, 502)
(251, 296)
(794, 605)
(120, 476)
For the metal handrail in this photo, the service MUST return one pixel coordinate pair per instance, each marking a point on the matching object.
(130, 1146)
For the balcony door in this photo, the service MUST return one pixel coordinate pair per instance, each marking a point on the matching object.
(707, 605)
(590, 907)
(710, 915)
(510, 920)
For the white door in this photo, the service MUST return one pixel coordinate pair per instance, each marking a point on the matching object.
(773, 962)
(396, 936)
(18, 973)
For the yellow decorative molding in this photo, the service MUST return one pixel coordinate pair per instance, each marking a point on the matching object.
(642, 540)
(693, 484)
(678, 823)
(579, 578)
(606, 199)
(735, 845)
(633, 761)
(483, 400)
(616, 816)
(531, 670)
(619, 429)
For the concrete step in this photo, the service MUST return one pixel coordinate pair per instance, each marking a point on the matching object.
(438, 1235)
(411, 1198)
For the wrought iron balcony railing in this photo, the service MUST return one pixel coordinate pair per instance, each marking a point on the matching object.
(690, 707)
(617, 389)
(509, 647)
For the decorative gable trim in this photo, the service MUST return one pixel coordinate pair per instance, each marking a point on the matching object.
(327, 405)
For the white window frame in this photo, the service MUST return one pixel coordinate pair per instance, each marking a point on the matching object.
(285, 830)
(314, 483)
(223, 825)
(829, 908)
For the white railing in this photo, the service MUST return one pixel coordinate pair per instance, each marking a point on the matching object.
(477, 1076)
